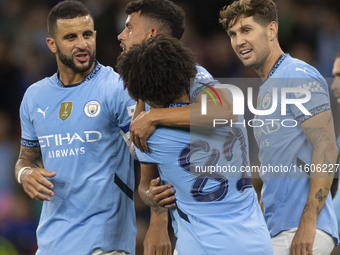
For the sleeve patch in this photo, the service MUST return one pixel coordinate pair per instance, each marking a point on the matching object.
(313, 112)
(30, 143)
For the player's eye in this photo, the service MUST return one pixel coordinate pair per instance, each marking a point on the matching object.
(232, 35)
(88, 34)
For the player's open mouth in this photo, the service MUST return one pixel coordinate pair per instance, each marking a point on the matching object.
(122, 46)
(82, 57)
(244, 52)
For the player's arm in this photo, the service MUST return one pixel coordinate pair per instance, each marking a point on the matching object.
(144, 124)
(157, 239)
(33, 175)
(319, 131)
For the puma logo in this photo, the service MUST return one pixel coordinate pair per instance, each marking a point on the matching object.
(300, 69)
(42, 112)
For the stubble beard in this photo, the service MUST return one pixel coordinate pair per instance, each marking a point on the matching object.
(70, 62)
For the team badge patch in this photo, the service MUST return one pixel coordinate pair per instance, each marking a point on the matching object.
(92, 109)
(65, 110)
(266, 101)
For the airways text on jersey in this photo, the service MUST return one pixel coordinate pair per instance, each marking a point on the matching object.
(60, 140)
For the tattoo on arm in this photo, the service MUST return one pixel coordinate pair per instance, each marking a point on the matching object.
(319, 196)
(32, 155)
(306, 208)
(315, 136)
(318, 211)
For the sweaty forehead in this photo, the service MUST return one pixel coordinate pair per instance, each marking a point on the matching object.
(240, 22)
(136, 19)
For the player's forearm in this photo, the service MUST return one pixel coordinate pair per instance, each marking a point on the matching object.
(159, 219)
(28, 157)
(140, 107)
(221, 112)
(190, 115)
(142, 188)
(320, 183)
(319, 131)
(178, 116)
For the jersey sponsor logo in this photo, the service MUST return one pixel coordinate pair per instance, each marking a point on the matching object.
(92, 109)
(66, 152)
(65, 110)
(68, 138)
(42, 112)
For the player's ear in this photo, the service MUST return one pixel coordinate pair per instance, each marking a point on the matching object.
(272, 30)
(153, 32)
(51, 44)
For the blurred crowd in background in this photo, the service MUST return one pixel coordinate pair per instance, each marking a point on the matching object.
(309, 30)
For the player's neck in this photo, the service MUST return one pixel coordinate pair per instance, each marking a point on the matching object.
(183, 99)
(68, 77)
(269, 63)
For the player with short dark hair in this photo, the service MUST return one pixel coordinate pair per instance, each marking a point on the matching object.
(145, 19)
(168, 15)
(73, 153)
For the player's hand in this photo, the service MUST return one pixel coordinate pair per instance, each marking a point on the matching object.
(157, 241)
(302, 243)
(36, 185)
(140, 130)
(161, 195)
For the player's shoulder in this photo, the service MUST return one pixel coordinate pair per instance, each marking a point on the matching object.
(297, 68)
(108, 73)
(40, 85)
(202, 73)
(110, 79)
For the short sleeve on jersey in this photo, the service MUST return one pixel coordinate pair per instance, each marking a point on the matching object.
(203, 78)
(119, 105)
(318, 102)
(28, 135)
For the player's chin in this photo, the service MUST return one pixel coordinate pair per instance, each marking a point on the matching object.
(83, 66)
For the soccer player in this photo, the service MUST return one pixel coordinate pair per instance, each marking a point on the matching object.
(214, 214)
(145, 19)
(73, 155)
(297, 207)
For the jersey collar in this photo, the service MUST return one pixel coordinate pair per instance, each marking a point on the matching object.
(93, 73)
(173, 105)
(277, 64)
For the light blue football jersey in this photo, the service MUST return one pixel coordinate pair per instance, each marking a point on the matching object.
(81, 130)
(282, 143)
(214, 214)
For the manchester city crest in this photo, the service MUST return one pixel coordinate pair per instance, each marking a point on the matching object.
(92, 109)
